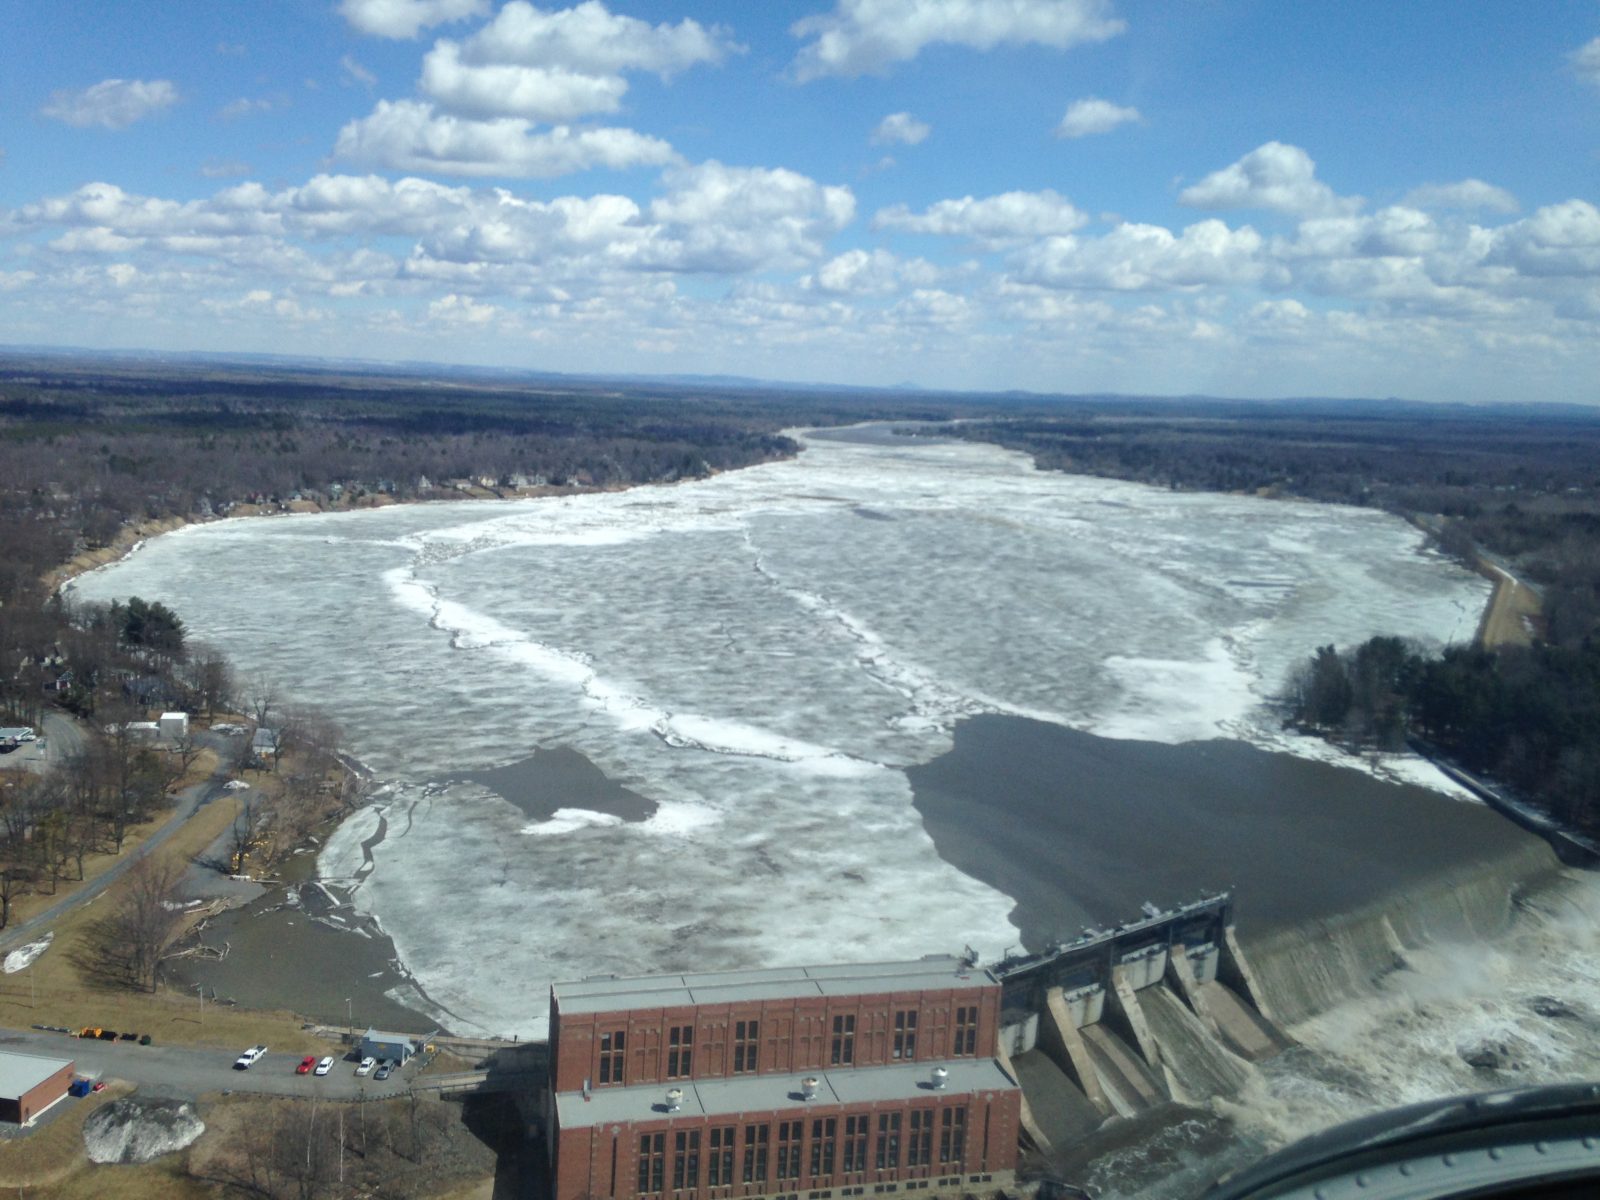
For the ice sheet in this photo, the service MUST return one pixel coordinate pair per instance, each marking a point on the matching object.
(760, 655)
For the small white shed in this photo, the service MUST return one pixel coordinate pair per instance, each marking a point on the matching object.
(174, 726)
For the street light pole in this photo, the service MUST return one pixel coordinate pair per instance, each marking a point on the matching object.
(200, 990)
(348, 1019)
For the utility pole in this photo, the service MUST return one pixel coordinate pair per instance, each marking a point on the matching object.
(200, 990)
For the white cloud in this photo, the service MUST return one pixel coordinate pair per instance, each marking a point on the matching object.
(406, 135)
(868, 36)
(550, 94)
(720, 218)
(900, 128)
(1092, 115)
(557, 66)
(15, 281)
(1586, 62)
(112, 103)
(1469, 195)
(993, 220)
(461, 310)
(1272, 176)
(1558, 240)
(1140, 257)
(869, 273)
(591, 39)
(407, 18)
(1394, 232)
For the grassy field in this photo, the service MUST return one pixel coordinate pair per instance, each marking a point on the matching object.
(48, 1154)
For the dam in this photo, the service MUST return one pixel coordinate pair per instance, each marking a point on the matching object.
(1119, 1021)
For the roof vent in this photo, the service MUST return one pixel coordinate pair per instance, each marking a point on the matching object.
(940, 1078)
(808, 1087)
(674, 1099)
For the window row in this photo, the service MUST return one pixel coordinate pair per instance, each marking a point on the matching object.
(782, 1155)
(747, 1045)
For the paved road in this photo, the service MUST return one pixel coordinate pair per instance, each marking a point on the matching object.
(189, 1071)
(189, 802)
(63, 736)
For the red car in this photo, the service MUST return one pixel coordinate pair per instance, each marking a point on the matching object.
(306, 1064)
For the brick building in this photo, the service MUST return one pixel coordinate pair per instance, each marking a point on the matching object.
(30, 1084)
(815, 1081)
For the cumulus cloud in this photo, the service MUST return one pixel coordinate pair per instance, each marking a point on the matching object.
(557, 66)
(1586, 62)
(461, 310)
(1469, 195)
(900, 128)
(1557, 240)
(869, 273)
(1142, 257)
(862, 37)
(1272, 176)
(721, 218)
(407, 135)
(407, 18)
(1092, 115)
(112, 103)
(591, 38)
(991, 220)
(550, 94)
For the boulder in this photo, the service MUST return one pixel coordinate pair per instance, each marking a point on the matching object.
(132, 1130)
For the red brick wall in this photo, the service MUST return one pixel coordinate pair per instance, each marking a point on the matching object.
(36, 1099)
(795, 1035)
(599, 1164)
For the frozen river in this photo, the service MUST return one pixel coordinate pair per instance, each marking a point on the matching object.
(753, 661)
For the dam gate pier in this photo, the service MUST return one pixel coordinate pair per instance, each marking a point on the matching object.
(1164, 1008)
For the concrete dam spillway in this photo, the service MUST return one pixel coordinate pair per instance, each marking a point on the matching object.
(1123, 1020)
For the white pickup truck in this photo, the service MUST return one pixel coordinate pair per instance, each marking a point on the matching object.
(249, 1058)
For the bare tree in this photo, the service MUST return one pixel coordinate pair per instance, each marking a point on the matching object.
(136, 934)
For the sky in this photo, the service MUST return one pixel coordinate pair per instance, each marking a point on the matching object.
(1228, 197)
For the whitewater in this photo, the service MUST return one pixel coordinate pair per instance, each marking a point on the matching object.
(760, 655)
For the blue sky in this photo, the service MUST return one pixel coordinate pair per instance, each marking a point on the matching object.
(1249, 198)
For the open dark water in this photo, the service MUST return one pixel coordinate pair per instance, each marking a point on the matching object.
(1080, 830)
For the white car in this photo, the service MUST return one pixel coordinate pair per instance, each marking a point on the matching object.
(366, 1065)
(249, 1058)
(324, 1066)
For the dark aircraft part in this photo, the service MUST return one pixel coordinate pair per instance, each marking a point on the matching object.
(1529, 1144)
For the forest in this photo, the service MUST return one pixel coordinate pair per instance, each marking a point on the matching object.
(1517, 486)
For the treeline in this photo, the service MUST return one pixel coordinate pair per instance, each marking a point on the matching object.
(1528, 716)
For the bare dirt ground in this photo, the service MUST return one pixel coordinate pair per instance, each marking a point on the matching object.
(1513, 613)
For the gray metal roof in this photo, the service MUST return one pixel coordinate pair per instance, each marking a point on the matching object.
(379, 1035)
(610, 994)
(19, 1072)
(766, 1093)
